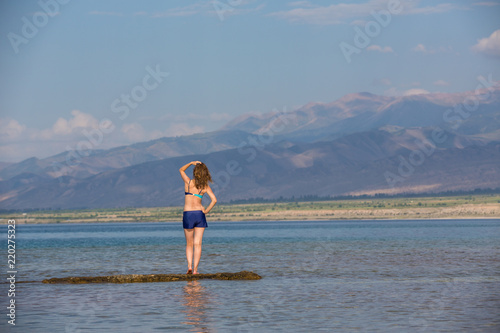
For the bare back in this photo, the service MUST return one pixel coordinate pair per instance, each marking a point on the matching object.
(192, 202)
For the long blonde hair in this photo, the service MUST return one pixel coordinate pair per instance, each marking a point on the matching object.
(201, 176)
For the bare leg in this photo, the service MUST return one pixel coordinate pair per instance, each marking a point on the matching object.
(198, 237)
(189, 233)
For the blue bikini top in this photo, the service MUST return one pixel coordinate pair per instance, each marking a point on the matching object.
(199, 195)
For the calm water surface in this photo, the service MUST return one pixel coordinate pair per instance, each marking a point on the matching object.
(342, 276)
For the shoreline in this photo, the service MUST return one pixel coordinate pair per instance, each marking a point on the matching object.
(428, 208)
(209, 220)
(263, 220)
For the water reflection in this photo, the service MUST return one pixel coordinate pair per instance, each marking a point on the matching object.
(196, 300)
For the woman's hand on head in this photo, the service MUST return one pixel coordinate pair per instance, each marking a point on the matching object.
(196, 162)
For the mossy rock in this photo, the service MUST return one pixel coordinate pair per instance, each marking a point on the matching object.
(134, 278)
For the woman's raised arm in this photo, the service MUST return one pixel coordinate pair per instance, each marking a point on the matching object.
(182, 170)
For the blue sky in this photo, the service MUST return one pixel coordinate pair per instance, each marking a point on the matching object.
(224, 58)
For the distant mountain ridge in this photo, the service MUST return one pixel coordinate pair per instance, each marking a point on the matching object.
(348, 146)
(350, 165)
(103, 160)
(364, 111)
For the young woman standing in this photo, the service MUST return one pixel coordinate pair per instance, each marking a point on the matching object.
(193, 218)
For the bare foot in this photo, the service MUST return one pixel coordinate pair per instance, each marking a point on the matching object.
(195, 272)
(190, 271)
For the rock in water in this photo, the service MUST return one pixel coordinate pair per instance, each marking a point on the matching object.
(131, 278)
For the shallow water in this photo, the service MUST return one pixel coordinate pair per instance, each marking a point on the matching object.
(345, 276)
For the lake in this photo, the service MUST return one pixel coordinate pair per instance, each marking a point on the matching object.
(342, 276)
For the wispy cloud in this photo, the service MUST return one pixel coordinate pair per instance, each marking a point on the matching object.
(19, 142)
(10, 129)
(189, 10)
(95, 12)
(415, 91)
(441, 8)
(211, 8)
(343, 12)
(489, 45)
(301, 4)
(378, 48)
(421, 48)
(410, 92)
(486, 3)
(441, 83)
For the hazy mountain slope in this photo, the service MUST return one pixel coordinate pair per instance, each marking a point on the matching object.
(315, 121)
(347, 146)
(119, 157)
(361, 112)
(357, 163)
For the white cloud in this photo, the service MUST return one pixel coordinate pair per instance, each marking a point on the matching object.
(10, 129)
(441, 83)
(224, 8)
(134, 132)
(62, 128)
(81, 129)
(20, 142)
(427, 50)
(79, 121)
(385, 49)
(393, 91)
(339, 13)
(415, 91)
(489, 45)
(420, 48)
(301, 4)
(183, 129)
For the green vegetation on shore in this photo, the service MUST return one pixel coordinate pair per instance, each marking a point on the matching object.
(467, 206)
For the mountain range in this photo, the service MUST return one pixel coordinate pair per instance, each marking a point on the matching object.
(359, 144)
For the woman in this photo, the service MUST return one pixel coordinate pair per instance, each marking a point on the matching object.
(193, 218)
